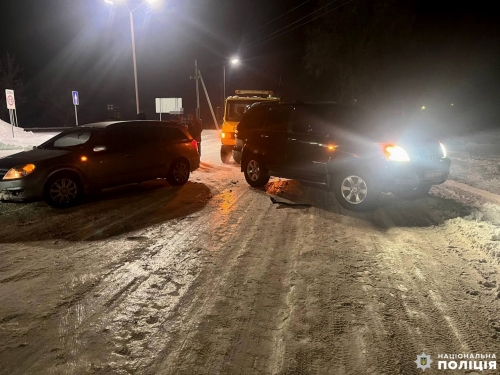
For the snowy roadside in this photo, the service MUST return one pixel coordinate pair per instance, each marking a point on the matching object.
(21, 141)
(476, 160)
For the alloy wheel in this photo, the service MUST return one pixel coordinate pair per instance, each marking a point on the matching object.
(63, 191)
(181, 172)
(354, 189)
(253, 170)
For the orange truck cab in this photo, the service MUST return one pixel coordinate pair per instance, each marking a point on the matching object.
(234, 109)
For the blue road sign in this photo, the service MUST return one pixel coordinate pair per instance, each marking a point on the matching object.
(76, 98)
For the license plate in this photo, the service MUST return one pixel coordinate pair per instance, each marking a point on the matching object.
(433, 175)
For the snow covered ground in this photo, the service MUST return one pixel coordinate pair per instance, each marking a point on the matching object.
(19, 141)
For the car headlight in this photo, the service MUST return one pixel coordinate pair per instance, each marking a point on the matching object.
(396, 153)
(19, 172)
(443, 149)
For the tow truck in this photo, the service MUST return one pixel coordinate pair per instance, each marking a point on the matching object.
(235, 107)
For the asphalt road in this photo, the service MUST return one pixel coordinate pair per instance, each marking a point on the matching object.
(213, 278)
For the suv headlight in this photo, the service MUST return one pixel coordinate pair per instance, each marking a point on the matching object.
(19, 172)
(443, 149)
(396, 153)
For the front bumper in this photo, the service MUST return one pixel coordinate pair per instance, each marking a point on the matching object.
(24, 189)
(406, 176)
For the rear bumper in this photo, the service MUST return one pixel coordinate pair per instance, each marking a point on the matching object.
(405, 176)
(194, 163)
(21, 190)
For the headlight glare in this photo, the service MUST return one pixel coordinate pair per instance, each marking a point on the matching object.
(443, 149)
(396, 153)
(19, 172)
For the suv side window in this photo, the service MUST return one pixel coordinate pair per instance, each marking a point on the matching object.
(254, 118)
(309, 121)
(278, 119)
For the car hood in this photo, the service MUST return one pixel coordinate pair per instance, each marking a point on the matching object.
(32, 156)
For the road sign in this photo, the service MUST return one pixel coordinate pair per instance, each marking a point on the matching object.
(10, 99)
(76, 98)
(169, 105)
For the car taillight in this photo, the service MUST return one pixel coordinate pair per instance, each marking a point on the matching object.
(195, 144)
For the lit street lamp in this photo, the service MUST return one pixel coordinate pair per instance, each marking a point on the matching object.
(131, 12)
(234, 61)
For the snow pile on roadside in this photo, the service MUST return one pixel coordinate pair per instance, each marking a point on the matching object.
(22, 139)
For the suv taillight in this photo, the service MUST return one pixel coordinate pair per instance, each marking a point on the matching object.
(195, 144)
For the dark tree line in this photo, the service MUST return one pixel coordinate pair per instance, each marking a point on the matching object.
(388, 55)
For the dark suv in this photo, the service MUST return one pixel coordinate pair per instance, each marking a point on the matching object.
(96, 156)
(338, 148)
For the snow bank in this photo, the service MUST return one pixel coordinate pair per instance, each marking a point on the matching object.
(22, 139)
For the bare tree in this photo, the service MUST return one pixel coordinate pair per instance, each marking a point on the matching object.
(349, 47)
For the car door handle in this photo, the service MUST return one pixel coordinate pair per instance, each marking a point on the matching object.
(264, 136)
(128, 155)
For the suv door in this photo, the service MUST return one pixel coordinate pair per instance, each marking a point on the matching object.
(274, 135)
(310, 144)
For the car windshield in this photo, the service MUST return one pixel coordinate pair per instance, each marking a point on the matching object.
(236, 108)
(69, 139)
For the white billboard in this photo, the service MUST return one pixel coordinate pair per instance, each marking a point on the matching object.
(169, 105)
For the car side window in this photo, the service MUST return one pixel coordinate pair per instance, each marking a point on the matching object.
(173, 134)
(72, 139)
(278, 119)
(120, 139)
(308, 121)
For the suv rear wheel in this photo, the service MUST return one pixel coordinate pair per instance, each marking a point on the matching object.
(63, 190)
(255, 172)
(356, 191)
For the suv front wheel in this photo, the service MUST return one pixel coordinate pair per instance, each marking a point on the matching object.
(356, 191)
(255, 172)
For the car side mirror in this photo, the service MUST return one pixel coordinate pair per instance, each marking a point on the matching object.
(35, 147)
(99, 148)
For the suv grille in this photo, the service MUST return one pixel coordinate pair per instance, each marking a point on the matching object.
(429, 152)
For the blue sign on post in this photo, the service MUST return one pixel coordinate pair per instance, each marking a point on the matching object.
(76, 98)
(76, 101)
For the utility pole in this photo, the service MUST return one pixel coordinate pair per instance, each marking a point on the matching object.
(196, 77)
(208, 100)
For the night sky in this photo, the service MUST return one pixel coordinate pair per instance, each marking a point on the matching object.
(85, 45)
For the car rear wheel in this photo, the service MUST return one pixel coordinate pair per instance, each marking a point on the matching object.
(179, 173)
(63, 190)
(225, 154)
(356, 191)
(255, 172)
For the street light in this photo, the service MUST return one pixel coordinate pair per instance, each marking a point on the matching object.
(131, 12)
(234, 61)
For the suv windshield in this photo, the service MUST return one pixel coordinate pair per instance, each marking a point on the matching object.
(68, 139)
(236, 108)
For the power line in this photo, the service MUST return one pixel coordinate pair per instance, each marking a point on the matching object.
(293, 23)
(277, 18)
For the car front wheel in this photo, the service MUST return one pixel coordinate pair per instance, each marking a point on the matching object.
(179, 173)
(62, 190)
(356, 191)
(255, 172)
